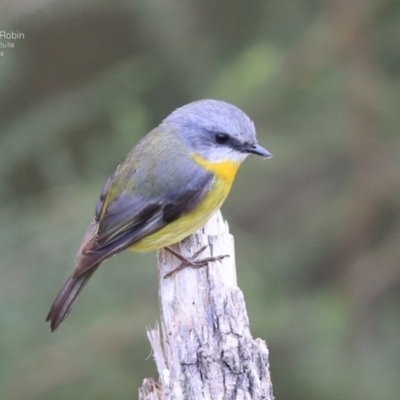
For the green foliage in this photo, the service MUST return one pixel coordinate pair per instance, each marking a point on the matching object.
(316, 228)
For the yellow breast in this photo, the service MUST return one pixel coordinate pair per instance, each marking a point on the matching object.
(225, 170)
(224, 173)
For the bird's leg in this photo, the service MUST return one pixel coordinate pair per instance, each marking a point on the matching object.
(191, 262)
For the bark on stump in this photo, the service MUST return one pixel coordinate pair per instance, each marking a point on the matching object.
(205, 349)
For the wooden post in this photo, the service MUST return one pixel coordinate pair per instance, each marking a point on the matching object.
(205, 349)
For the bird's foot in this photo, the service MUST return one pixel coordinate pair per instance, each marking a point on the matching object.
(191, 262)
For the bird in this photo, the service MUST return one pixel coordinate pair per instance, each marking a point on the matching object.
(168, 186)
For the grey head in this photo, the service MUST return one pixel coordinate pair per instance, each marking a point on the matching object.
(216, 131)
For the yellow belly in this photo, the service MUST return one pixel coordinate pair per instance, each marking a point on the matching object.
(184, 226)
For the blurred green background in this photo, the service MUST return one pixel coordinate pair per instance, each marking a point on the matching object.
(317, 228)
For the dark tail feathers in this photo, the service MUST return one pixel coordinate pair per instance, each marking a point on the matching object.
(65, 300)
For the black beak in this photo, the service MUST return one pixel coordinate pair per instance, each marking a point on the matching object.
(258, 150)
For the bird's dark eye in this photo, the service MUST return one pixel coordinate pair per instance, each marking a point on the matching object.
(221, 138)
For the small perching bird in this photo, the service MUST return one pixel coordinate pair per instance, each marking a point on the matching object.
(169, 185)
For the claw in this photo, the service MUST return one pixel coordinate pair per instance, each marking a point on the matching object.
(191, 262)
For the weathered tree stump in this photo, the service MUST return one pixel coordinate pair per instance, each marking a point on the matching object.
(205, 349)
